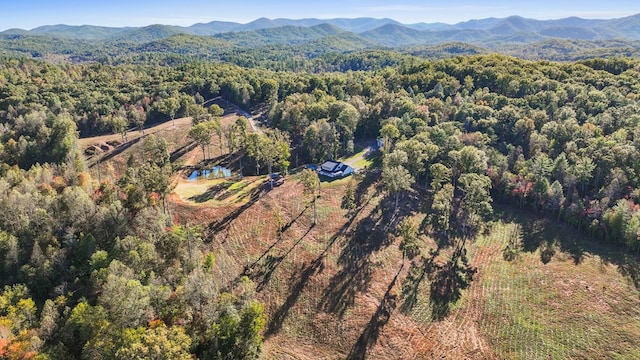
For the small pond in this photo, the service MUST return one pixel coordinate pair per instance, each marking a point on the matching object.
(215, 172)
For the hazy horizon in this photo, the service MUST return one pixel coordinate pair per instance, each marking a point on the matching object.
(30, 14)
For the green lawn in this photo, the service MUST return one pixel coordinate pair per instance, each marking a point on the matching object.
(218, 192)
(359, 161)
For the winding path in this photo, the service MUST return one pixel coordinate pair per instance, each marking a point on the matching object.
(238, 110)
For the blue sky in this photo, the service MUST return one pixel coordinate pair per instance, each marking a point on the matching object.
(27, 14)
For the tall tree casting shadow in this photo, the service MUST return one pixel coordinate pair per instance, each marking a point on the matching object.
(317, 265)
(356, 267)
(416, 274)
(449, 281)
(221, 224)
(261, 272)
(380, 318)
(306, 273)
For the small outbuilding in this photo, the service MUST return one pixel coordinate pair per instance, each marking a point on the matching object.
(335, 169)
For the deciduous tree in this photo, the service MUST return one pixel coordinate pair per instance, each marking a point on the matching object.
(311, 182)
(396, 179)
(201, 134)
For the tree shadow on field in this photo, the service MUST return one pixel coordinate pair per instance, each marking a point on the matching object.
(288, 225)
(306, 272)
(265, 265)
(181, 151)
(317, 265)
(221, 224)
(630, 268)
(261, 271)
(544, 234)
(218, 191)
(551, 236)
(449, 281)
(370, 235)
(380, 318)
(411, 284)
(281, 232)
(363, 187)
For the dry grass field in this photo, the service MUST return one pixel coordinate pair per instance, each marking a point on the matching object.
(343, 289)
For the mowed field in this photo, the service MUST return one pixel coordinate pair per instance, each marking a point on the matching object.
(343, 289)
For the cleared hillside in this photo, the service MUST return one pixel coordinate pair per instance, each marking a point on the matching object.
(343, 289)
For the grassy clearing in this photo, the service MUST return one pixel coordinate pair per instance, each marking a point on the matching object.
(113, 162)
(562, 309)
(359, 160)
(337, 183)
(218, 192)
(562, 297)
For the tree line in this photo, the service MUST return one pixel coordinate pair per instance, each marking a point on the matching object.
(465, 132)
(560, 138)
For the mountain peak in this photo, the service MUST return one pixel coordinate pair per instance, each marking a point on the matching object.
(478, 31)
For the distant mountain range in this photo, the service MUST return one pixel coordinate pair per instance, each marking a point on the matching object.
(387, 32)
(340, 34)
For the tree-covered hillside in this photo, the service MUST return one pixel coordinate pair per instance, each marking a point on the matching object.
(265, 39)
(102, 269)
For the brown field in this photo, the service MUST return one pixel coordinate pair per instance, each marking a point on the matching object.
(342, 288)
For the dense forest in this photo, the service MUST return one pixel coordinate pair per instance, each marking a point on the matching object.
(100, 269)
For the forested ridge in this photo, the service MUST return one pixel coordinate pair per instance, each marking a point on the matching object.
(304, 39)
(100, 269)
